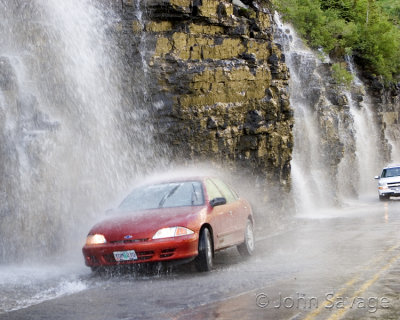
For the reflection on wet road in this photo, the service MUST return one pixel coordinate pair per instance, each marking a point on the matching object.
(330, 265)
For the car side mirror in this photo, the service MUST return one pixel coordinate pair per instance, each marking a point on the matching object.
(377, 177)
(217, 202)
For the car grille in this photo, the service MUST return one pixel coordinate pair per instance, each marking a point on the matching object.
(167, 253)
(109, 258)
(130, 240)
(394, 185)
(145, 255)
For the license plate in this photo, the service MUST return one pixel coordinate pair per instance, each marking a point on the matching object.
(125, 255)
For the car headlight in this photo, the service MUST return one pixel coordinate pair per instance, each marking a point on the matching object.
(95, 239)
(172, 232)
(382, 185)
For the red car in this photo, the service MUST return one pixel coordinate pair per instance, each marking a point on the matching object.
(180, 219)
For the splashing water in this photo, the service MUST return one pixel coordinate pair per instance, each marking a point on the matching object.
(66, 149)
(24, 286)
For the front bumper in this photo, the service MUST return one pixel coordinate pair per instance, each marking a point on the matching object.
(183, 247)
(388, 191)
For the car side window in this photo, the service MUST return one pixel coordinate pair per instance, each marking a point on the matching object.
(229, 195)
(212, 190)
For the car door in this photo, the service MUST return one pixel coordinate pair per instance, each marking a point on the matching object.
(237, 212)
(220, 217)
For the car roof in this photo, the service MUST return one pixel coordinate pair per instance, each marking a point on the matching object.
(392, 166)
(179, 179)
(156, 180)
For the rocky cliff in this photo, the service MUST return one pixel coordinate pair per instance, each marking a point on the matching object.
(386, 100)
(217, 81)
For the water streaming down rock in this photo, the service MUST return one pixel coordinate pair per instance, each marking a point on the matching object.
(368, 148)
(395, 148)
(313, 185)
(387, 100)
(337, 148)
(70, 138)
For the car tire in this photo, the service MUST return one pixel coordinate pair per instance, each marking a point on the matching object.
(204, 260)
(246, 248)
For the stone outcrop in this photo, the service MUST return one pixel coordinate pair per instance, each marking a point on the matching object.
(386, 100)
(219, 83)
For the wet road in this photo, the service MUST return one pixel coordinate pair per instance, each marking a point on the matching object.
(330, 265)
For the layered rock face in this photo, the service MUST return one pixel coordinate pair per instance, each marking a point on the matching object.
(387, 103)
(218, 82)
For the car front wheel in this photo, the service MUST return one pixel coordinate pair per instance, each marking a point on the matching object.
(204, 260)
(246, 248)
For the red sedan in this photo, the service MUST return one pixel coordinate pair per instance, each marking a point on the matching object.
(180, 219)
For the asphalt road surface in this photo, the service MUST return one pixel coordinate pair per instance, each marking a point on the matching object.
(337, 264)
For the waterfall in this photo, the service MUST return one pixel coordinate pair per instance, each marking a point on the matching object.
(71, 137)
(312, 184)
(336, 151)
(395, 148)
(368, 147)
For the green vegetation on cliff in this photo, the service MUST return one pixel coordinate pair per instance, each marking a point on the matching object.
(392, 8)
(366, 29)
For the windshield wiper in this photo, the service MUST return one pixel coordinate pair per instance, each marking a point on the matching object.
(194, 193)
(169, 194)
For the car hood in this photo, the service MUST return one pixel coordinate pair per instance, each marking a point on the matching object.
(144, 224)
(390, 180)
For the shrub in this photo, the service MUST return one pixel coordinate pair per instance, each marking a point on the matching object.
(341, 74)
(342, 26)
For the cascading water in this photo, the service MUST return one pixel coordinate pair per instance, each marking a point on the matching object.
(336, 151)
(368, 148)
(312, 185)
(394, 148)
(65, 148)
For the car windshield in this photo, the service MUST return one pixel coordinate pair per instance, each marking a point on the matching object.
(166, 195)
(391, 172)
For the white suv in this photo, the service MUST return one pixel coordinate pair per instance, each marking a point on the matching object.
(389, 182)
